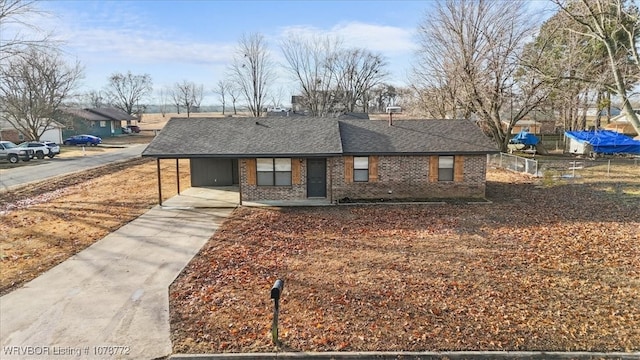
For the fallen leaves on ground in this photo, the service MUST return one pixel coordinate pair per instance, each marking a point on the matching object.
(538, 269)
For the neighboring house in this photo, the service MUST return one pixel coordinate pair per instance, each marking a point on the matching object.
(102, 122)
(53, 132)
(622, 125)
(530, 126)
(9, 133)
(300, 158)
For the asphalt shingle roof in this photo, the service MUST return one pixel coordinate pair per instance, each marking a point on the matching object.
(246, 137)
(307, 136)
(445, 136)
(100, 114)
(113, 113)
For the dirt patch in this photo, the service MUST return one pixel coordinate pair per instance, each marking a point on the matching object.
(44, 224)
(541, 268)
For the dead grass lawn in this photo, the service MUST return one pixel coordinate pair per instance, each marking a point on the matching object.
(542, 268)
(42, 225)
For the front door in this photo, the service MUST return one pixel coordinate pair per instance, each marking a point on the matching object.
(316, 177)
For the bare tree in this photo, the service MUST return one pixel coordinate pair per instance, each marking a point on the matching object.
(126, 91)
(234, 93)
(95, 98)
(613, 23)
(188, 95)
(473, 50)
(356, 71)
(382, 96)
(164, 95)
(252, 71)
(15, 16)
(222, 90)
(277, 97)
(332, 78)
(33, 87)
(307, 60)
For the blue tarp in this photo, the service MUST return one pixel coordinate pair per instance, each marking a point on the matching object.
(606, 142)
(525, 138)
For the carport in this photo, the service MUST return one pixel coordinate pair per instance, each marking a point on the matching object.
(214, 183)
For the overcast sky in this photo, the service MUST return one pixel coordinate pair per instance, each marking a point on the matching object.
(194, 40)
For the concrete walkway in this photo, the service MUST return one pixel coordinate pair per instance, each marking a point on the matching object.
(111, 300)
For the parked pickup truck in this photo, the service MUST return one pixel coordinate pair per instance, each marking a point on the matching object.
(10, 151)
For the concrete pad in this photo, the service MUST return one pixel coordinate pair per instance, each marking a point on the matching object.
(229, 196)
(111, 300)
(205, 197)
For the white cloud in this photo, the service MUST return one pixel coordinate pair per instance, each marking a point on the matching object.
(143, 47)
(394, 43)
(389, 40)
(98, 34)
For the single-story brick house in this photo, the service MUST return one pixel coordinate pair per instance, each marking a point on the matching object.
(298, 158)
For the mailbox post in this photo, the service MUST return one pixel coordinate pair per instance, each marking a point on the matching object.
(276, 291)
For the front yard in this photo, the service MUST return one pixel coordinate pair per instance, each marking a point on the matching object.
(549, 265)
(553, 267)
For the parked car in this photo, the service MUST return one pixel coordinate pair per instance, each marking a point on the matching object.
(13, 153)
(134, 128)
(54, 149)
(88, 140)
(41, 150)
(131, 129)
(277, 109)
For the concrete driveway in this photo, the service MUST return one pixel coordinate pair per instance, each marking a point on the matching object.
(110, 301)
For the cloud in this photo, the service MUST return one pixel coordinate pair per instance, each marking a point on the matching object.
(143, 47)
(96, 34)
(389, 40)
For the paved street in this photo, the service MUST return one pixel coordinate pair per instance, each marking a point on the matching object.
(61, 166)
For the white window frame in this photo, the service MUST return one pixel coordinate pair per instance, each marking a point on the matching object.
(446, 165)
(273, 171)
(361, 169)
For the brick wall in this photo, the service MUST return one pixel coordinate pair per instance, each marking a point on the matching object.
(399, 177)
(257, 193)
(10, 135)
(407, 177)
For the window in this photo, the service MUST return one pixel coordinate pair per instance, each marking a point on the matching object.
(361, 168)
(445, 168)
(274, 172)
(103, 123)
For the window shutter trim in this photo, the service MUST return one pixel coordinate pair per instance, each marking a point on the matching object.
(458, 168)
(348, 169)
(373, 168)
(433, 168)
(295, 171)
(251, 171)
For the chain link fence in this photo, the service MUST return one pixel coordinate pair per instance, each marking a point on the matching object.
(514, 163)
